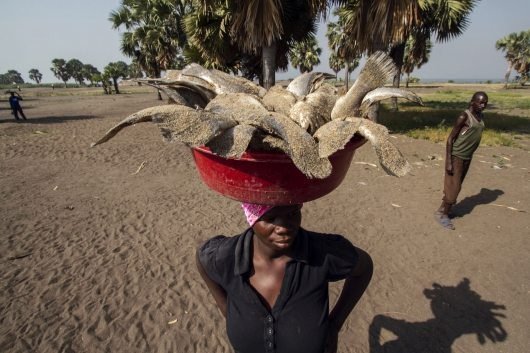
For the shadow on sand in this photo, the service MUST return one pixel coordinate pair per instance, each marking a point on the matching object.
(467, 205)
(457, 311)
(48, 119)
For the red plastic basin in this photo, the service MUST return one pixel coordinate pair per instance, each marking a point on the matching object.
(270, 178)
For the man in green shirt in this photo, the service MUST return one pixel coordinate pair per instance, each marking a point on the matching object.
(461, 144)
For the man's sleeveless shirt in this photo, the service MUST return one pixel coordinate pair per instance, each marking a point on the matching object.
(467, 142)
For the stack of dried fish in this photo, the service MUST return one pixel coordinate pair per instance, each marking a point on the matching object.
(306, 120)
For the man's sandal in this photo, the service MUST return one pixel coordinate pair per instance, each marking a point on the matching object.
(443, 220)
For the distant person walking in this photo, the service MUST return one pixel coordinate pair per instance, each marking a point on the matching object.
(14, 102)
(461, 144)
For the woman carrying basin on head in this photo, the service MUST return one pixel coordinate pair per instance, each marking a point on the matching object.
(271, 282)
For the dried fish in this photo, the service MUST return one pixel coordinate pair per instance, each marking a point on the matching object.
(306, 120)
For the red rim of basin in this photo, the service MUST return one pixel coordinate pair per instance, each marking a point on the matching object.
(270, 178)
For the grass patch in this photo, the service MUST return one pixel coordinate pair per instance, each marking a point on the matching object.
(507, 118)
(505, 99)
(489, 137)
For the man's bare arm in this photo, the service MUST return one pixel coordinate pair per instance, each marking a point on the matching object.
(457, 128)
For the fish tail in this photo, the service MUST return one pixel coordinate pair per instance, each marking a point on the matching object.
(379, 68)
(139, 117)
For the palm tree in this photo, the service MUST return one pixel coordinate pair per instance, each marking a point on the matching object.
(417, 51)
(305, 54)
(209, 42)
(377, 25)
(516, 47)
(114, 71)
(266, 26)
(154, 35)
(335, 64)
(342, 46)
(135, 70)
(35, 75)
(508, 45)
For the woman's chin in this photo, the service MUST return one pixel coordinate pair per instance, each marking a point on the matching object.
(283, 244)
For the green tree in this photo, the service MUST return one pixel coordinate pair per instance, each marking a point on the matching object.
(265, 27)
(89, 72)
(417, 51)
(115, 71)
(60, 71)
(154, 34)
(516, 48)
(304, 55)
(11, 77)
(75, 68)
(35, 75)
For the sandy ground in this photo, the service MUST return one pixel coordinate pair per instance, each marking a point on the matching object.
(97, 245)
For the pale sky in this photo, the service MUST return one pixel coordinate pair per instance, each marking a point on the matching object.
(34, 32)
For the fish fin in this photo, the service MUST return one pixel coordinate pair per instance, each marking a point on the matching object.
(138, 117)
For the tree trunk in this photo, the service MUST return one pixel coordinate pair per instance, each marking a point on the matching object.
(115, 80)
(268, 65)
(408, 80)
(347, 77)
(397, 53)
(507, 75)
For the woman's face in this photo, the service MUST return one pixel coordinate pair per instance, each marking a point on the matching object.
(278, 227)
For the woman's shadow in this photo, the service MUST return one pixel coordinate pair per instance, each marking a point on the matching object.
(467, 205)
(457, 311)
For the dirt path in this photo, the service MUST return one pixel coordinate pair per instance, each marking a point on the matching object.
(97, 245)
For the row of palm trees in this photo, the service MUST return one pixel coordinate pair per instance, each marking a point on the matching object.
(257, 37)
(75, 69)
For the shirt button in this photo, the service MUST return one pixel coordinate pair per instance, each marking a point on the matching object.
(270, 345)
(270, 331)
(270, 319)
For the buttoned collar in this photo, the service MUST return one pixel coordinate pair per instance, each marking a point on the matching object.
(243, 260)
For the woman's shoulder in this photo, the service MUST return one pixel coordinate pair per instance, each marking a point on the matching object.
(217, 256)
(329, 244)
(219, 245)
(335, 252)
(328, 239)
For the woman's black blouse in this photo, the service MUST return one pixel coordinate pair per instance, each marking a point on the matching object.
(298, 321)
